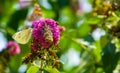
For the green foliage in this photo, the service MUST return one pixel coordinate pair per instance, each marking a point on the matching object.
(32, 69)
(51, 69)
(111, 56)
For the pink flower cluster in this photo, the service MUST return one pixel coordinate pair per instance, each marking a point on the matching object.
(13, 48)
(38, 32)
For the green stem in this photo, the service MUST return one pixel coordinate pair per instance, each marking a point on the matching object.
(42, 66)
(81, 45)
(41, 71)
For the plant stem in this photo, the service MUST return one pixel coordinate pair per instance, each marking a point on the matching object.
(83, 46)
(42, 66)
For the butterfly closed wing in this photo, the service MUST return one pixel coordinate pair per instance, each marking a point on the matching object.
(22, 36)
(48, 34)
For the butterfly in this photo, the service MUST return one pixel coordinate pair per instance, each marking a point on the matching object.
(23, 36)
(37, 14)
(48, 33)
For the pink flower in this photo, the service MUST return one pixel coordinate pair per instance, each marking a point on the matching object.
(61, 28)
(13, 48)
(25, 3)
(45, 32)
(84, 6)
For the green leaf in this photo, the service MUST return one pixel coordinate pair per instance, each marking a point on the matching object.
(103, 41)
(97, 51)
(111, 18)
(83, 30)
(93, 20)
(109, 58)
(32, 69)
(50, 69)
(89, 39)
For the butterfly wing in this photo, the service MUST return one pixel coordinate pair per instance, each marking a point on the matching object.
(37, 14)
(23, 36)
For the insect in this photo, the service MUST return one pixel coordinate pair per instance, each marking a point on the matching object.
(37, 14)
(48, 33)
(23, 36)
(30, 57)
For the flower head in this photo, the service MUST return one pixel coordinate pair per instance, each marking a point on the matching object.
(45, 32)
(13, 48)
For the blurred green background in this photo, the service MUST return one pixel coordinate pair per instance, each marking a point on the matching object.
(90, 43)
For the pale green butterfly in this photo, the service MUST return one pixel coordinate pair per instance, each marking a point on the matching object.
(23, 36)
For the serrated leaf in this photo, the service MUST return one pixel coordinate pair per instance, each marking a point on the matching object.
(50, 69)
(32, 69)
